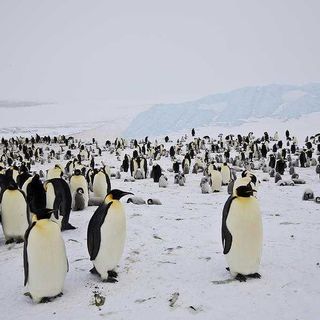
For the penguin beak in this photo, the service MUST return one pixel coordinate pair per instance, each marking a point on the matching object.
(124, 193)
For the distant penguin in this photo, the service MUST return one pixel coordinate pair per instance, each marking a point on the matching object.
(156, 172)
(58, 197)
(176, 167)
(216, 179)
(101, 184)
(205, 185)
(280, 166)
(45, 260)
(77, 181)
(308, 194)
(15, 214)
(106, 235)
(163, 181)
(125, 163)
(226, 174)
(272, 161)
(242, 232)
(79, 202)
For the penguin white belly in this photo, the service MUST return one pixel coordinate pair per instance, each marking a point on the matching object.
(47, 260)
(216, 179)
(225, 173)
(79, 182)
(100, 185)
(14, 214)
(245, 225)
(113, 236)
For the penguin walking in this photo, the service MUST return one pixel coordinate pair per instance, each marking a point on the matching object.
(242, 232)
(45, 260)
(15, 214)
(106, 236)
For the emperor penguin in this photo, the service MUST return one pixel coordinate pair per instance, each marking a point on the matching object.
(226, 174)
(36, 194)
(78, 181)
(101, 184)
(58, 197)
(45, 260)
(15, 213)
(55, 172)
(106, 235)
(242, 231)
(163, 181)
(216, 179)
(78, 200)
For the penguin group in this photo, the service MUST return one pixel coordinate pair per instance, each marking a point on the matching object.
(46, 180)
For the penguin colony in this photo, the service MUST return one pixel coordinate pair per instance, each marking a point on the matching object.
(37, 204)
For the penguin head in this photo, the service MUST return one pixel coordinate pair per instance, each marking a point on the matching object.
(80, 190)
(243, 187)
(12, 185)
(77, 172)
(116, 194)
(45, 213)
(245, 191)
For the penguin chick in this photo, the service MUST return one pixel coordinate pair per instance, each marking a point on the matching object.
(79, 201)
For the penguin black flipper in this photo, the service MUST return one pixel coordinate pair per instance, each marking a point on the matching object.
(94, 232)
(28, 209)
(25, 253)
(108, 183)
(225, 233)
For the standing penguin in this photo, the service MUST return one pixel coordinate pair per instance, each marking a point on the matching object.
(226, 174)
(77, 181)
(242, 232)
(58, 197)
(45, 260)
(106, 235)
(15, 214)
(36, 195)
(78, 200)
(101, 183)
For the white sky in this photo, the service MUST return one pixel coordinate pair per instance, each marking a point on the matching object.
(152, 51)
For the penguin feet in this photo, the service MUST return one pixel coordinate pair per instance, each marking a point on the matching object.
(94, 271)
(240, 277)
(19, 241)
(254, 275)
(112, 274)
(67, 226)
(110, 280)
(59, 295)
(9, 241)
(45, 300)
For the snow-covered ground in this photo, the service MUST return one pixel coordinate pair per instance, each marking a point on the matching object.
(176, 248)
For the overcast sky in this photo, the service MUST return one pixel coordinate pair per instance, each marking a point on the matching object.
(151, 51)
